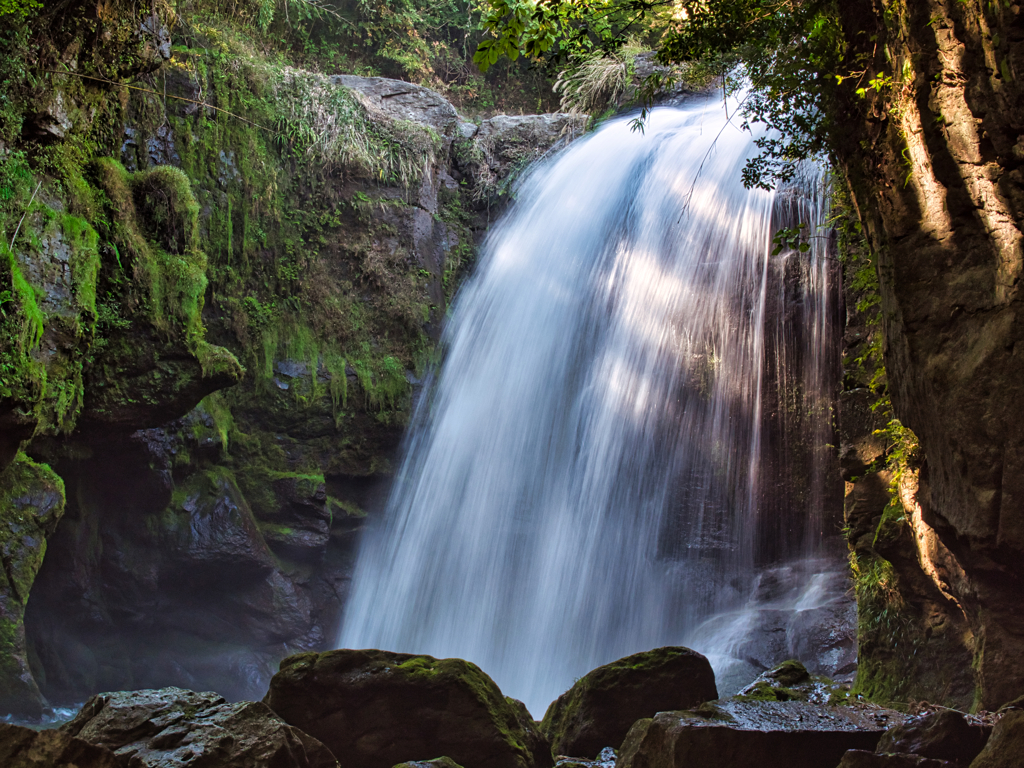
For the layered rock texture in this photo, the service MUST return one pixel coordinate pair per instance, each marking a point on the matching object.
(934, 170)
(213, 319)
(171, 726)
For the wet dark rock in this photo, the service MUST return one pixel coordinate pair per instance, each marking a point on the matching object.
(942, 735)
(172, 727)
(378, 708)
(808, 612)
(859, 758)
(22, 747)
(213, 527)
(600, 708)
(1005, 747)
(824, 637)
(745, 734)
(789, 681)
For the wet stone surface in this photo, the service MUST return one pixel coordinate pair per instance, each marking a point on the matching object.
(758, 734)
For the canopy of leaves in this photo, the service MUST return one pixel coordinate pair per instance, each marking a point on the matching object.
(782, 53)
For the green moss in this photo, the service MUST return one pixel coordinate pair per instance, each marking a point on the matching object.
(710, 711)
(85, 262)
(347, 508)
(22, 377)
(789, 672)
(384, 383)
(218, 361)
(31, 502)
(220, 412)
(466, 675)
(153, 218)
(167, 208)
(764, 691)
(886, 636)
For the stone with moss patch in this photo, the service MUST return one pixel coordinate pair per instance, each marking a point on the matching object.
(379, 708)
(31, 504)
(600, 708)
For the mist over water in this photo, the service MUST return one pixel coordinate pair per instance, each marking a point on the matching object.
(586, 477)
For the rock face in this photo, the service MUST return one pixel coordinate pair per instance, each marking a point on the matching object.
(31, 505)
(171, 726)
(22, 747)
(950, 252)
(377, 709)
(737, 734)
(600, 708)
(293, 290)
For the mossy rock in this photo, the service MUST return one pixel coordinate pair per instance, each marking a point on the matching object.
(600, 708)
(31, 504)
(1006, 744)
(378, 708)
(941, 735)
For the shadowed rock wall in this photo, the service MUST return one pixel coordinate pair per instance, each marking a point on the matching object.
(935, 173)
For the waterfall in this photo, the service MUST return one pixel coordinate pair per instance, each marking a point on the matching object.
(585, 477)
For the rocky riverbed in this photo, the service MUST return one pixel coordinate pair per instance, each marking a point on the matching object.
(376, 709)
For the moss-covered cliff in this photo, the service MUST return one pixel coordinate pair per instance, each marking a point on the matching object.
(222, 277)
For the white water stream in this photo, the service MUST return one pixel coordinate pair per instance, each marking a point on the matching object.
(583, 480)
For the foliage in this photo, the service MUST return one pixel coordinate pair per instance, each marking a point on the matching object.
(789, 51)
(426, 42)
(19, 9)
(600, 80)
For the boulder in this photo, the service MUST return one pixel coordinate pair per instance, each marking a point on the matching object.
(403, 101)
(377, 708)
(1005, 747)
(172, 726)
(754, 734)
(859, 758)
(22, 747)
(600, 708)
(942, 735)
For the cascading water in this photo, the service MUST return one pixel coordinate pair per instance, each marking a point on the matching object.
(585, 478)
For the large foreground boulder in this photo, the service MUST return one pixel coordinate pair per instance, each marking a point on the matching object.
(375, 709)
(22, 747)
(172, 727)
(860, 758)
(942, 735)
(601, 707)
(1005, 747)
(754, 734)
